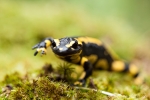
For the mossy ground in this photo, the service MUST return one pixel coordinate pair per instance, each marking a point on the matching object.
(51, 84)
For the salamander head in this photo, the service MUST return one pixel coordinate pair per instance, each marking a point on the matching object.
(66, 46)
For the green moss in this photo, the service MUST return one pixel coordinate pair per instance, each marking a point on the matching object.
(82, 94)
(14, 79)
(42, 88)
(47, 86)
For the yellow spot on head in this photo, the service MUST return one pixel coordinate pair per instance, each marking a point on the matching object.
(70, 44)
(83, 60)
(118, 66)
(57, 42)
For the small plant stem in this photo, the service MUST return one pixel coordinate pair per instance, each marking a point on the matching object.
(103, 92)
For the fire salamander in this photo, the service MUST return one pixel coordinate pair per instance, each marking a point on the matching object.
(88, 52)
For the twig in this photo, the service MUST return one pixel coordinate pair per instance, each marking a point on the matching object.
(108, 93)
(103, 92)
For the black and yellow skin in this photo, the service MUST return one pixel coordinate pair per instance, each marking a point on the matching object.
(88, 52)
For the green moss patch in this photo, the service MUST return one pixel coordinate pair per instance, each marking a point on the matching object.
(55, 83)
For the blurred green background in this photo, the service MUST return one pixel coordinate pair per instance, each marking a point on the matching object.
(124, 25)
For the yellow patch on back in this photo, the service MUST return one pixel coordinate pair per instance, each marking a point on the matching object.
(102, 63)
(138, 80)
(133, 69)
(82, 39)
(79, 42)
(92, 58)
(89, 40)
(118, 66)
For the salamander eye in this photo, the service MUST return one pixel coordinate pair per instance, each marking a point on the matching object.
(75, 45)
(53, 44)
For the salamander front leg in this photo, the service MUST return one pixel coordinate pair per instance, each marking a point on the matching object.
(86, 73)
(42, 46)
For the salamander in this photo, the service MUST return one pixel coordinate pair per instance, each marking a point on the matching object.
(88, 52)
